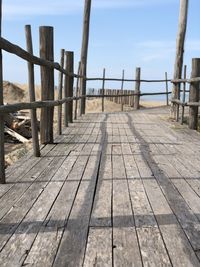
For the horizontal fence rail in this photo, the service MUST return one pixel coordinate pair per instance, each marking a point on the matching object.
(126, 80)
(23, 54)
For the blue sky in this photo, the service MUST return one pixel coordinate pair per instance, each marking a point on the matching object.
(124, 34)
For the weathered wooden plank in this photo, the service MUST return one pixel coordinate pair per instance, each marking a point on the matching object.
(19, 188)
(77, 227)
(118, 167)
(173, 235)
(99, 248)
(102, 207)
(45, 246)
(186, 217)
(125, 245)
(76, 230)
(15, 216)
(20, 243)
(130, 167)
(53, 226)
(152, 247)
(27, 165)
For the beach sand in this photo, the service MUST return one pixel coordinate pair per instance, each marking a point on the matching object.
(14, 92)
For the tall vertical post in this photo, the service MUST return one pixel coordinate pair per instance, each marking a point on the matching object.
(47, 84)
(194, 94)
(77, 92)
(122, 89)
(137, 89)
(69, 88)
(184, 91)
(2, 152)
(84, 50)
(180, 42)
(66, 119)
(60, 89)
(103, 89)
(167, 89)
(31, 86)
(81, 90)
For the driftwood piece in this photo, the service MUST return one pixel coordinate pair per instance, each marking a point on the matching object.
(22, 127)
(15, 135)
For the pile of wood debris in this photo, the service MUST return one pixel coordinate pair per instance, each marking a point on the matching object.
(17, 128)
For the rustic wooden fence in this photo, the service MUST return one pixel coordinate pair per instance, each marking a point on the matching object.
(193, 103)
(66, 90)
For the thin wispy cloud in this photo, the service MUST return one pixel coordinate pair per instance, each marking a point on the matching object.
(19, 8)
(158, 50)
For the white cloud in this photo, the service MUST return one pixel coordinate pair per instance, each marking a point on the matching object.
(192, 45)
(19, 8)
(159, 50)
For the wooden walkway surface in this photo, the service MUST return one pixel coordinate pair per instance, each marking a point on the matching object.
(119, 189)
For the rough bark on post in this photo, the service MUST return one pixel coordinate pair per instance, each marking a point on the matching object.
(77, 92)
(47, 84)
(167, 89)
(137, 89)
(84, 50)
(31, 86)
(184, 89)
(103, 89)
(60, 89)
(180, 42)
(69, 88)
(122, 88)
(2, 152)
(194, 94)
(66, 119)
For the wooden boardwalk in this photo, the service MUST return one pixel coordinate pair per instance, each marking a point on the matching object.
(119, 189)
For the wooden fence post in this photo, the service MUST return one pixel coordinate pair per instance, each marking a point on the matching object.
(77, 92)
(137, 88)
(180, 42)
(31, 86)
(103, 89)
(60, 89)
(66, 119)
(122, 88)
(81, 103)
(194, 94)
(69, 90)
(184, 89)
(84, 50)
(47, 84)
(167, 89)
(2, 152)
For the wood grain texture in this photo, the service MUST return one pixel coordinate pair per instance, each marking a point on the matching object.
(180, 44)
(2, 152)
(60, 92)
(47, 85)
(194, 95)
(31, 86)
(84, 50)
(118, 189)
